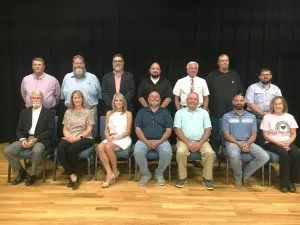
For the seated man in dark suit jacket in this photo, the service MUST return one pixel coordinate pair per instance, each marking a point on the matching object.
(35, 131)
(118, 81)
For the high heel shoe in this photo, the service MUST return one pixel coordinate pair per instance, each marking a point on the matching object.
(116, 177)
(108, 182)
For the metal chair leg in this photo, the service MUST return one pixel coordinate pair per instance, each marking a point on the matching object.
(44, 170)
(89, 168)
(135, 171)
(129, 168)
(9, 173)
(263, 175)
(270, 169)
(96, 165)
(170, 171)
(54, 166)
(227, 165)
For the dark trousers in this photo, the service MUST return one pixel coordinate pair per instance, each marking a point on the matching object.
(68, 153)
(289, 163)
(215, 138)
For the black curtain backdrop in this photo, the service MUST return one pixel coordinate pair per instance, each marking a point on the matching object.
(254, 34)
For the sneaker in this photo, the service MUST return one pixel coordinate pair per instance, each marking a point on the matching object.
(144, 180)
(291, 188)
(247, 183)
(181, 182)
(238, 184)
(160, 180)
(208, 184)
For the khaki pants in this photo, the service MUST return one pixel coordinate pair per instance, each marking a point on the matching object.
(207, 156)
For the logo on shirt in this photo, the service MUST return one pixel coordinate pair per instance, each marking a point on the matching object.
(282, 128)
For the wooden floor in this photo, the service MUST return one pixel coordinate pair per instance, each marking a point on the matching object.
(128, 203)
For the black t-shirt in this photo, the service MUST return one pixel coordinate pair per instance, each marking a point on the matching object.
(163, 87)
(222, 87)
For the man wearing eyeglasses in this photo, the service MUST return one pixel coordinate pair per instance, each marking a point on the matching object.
(118, 81)
(259, 96)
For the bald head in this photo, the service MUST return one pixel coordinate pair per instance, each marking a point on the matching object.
(192, 100)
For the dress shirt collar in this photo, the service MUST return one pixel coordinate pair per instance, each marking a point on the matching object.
(38, 77)
(265, 86)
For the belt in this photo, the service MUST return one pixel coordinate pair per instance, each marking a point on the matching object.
(184, 106)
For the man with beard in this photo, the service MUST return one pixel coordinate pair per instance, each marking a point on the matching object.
(223, 84)
(34, 131)
(84, 81)
(153, 127)
(259, 96)
(239, 128)
(191, 138)
(40, 81)
(118, 81)
(155, 82)
(191, 83)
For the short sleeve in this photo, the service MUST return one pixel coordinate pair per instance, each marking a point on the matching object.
(225, 123)
(205, 88)
(66, 117)
(138, 119)
(177, 119)
(206, 122)
(265, 124)
(254, 124)
(176, 90)
(249, 98)
(169, 120)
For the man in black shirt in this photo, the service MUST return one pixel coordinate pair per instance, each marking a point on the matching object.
(155, 82)
(223, 85)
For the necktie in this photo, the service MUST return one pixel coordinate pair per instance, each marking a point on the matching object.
(192, 85)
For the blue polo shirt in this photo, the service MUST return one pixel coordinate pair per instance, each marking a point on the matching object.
(153, 124)
(240, 127)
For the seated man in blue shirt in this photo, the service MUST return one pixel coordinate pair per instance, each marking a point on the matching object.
(239, 128)
(153, 127)
(193, 128)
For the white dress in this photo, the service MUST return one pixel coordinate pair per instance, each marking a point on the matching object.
(117, 125)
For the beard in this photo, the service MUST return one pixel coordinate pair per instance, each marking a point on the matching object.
(155, 76)
(36, 105)
(154, 104)
(265, 81)
(79, 72)
(239, 106)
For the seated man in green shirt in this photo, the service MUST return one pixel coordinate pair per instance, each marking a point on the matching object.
(193, 128)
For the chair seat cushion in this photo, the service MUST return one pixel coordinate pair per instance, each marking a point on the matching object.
(274, 158)
(152, 155)
(26, 153)
(194, 156)
(86, 153)
(124, 154)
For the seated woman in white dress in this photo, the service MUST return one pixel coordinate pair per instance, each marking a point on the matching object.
(118, 124)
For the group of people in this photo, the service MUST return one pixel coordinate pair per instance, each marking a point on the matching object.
(204, 121)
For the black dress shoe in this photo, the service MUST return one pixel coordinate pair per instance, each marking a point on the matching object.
(76, 184)
(30, 180)
(291, 188)
(284, 189)
(20, 178)
(70, 184)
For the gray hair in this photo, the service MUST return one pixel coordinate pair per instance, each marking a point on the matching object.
(191, 63)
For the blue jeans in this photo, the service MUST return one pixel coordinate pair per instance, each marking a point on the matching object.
(260, 158)
(165, 156)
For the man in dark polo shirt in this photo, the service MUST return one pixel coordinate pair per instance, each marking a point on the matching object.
(223, 85)
(155, 82)
(153, 127)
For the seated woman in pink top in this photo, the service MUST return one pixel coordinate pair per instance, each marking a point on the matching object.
(118, 122)
(279, 130)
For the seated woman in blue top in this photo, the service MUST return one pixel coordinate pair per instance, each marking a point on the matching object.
(118, 122)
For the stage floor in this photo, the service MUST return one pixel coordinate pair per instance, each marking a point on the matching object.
(127, 203)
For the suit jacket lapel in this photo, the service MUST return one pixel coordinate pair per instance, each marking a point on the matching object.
(41, 117)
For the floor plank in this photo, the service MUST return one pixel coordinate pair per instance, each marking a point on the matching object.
(127, 203)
